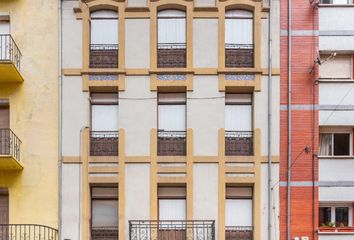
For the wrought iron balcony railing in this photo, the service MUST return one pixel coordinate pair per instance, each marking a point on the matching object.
(171, 230)
(27, 232)
(238, 143)
(10, 144)
(104, 143)
(239, 55)
(171, 143)
(238, 233)
(171, 55)
(103, 55)
(104, 233)
(9, 51)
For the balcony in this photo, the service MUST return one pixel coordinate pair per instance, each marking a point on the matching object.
(10, 149)
(10, 60)
(171, 55)
(238, 233)
(27, 232)
(104, 143)
(171, 143)
(171, 230)
(103, 55)
(239, 55)
(238, 143)
(104, 233)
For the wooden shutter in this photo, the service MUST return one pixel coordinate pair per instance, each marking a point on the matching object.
(4, 206)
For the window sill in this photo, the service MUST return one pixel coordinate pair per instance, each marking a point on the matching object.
(336, 157)
(336, 5)
(335, 80)
(336, 231)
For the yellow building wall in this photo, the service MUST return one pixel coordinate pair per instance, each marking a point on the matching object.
(34, 112)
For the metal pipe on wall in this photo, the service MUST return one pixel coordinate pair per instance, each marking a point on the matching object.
(270, 82)
(60, 166)
(288, 212)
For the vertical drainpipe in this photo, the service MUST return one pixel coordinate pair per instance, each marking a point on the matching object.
(270, 82)
(288, 212)
(60, 172)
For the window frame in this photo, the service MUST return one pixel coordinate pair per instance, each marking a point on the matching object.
(333, 207)
(333, 132)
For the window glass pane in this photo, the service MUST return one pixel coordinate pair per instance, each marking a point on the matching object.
(104, 31)
(342, 216)
(239, 31)
(172, 117)
(340, 1)
(341, 144)
(324, 216)
(172, 30)
(172, 209)
(104, 117)
(104, 213)
(238, 212)
(238, 118)
(325, 144)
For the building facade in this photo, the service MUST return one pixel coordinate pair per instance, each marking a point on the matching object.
(28, 119)
(316, 180)
(164, 119)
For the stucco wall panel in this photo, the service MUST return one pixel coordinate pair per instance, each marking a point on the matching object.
(75, 115)
(336, 170)
(275, 202)
(205, 114)
(71, 201)
(137, 114)
(205, 47)
(137, 43)
(137, 193)
(72, 36)
(205, 3)
(205, 192)
(261, 112)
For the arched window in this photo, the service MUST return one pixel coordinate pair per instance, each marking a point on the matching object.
(104, 39)
(171, 38)
(239, 38)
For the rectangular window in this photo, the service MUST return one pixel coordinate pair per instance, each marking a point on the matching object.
(239, 213)
(172, 213)
(104, 212)
(334, 144)
(172, 124)
(171, 39)
(335, 215)
(104, 124)
(238, 124)
(324, 216)
(104, 39)
(5, 39)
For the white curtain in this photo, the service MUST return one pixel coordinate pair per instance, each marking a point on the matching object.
(104, 213)
(172, 209)
(172, 30)
(5, 40)
(238, 212)
(325, 145)
(172, 117)
(105, 118)
(238, 118)
(104, 31)
(239, 31)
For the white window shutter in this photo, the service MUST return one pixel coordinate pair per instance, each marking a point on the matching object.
(172, 117)
(172, 209)
(238, 118)
(105, 118)
(239, 212)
